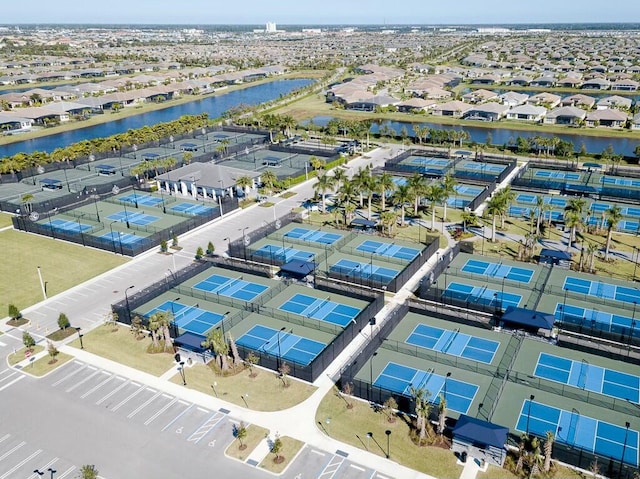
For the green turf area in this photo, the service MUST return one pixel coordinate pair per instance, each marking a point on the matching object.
(255, 434)
(15, 358)
(290, 449)
(63, 265)
(5, 220)
(44, 365)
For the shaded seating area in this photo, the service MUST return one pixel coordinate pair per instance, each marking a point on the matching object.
(479, 439)
(298, 269)
(189, 345)
(529, 320)
(555, 257)
(362, 223)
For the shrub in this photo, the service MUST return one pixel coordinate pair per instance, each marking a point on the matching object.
(199, 252)
(163, 246)
(28, 340)
(14, 312)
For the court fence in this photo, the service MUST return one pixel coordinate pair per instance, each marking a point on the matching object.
(240, 247)
(395, 164)
(156, 236)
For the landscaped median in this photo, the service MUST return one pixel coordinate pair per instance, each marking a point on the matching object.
(34, 365)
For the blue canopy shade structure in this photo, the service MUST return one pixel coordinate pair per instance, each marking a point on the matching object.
(50, 182)
(298, 268)
(527, 318)
(480, 433)
(363, 222)
(105, 169)
(190, 341)
(592, 165)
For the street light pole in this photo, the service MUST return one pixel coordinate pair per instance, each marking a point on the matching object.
(52, 472)
(126, 299)
(184, 379)
(244, 242)
(624, 447)
(44, 290)
(531, 398)
(279, 352)
(388, 433)
(80, 337)
(371, 375)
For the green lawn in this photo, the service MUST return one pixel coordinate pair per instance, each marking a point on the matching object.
(352, 425)
(62, 264)
(290, 449)
(262, 393)
(15, 358)
(44, 365)
(255, 434)
(5, 220)
(122, 347)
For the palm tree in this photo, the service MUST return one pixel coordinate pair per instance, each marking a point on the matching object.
(548, 449)
(418, 186)
(592, 248)
(422, 409)
(535, 456)
(614, 215)
(159, 326)
(521, 450)
(324, 184)
(26, 201)
(572, 220)
(339, 177)
(442, 414)
(244, 182)
(217, 343)
(269, 180)
(539, 207)
(361, 180)
(401, 196)
(346, 193)
(384, 184)
(387, 220)
(507, 196)
(448, 188)
(435, 194)
(494, 208)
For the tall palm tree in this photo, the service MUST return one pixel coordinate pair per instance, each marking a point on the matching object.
(345, 194)
(507, 196)
(539, 207)
(323, 185)
(401, 197)
(361, 181)
(269, 180)
(384, 185)
(548, 450)
(573, 221)
(614, 215)
(442, 414)
(218, 344)
(418, 186)
(435, 195)
(448, 187)
(387, 220)
(339, 177)
(244, 182)
(495, 206)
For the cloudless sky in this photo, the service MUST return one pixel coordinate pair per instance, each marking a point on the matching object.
(412, 12)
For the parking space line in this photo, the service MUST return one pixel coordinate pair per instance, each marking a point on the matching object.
(12, 382)
(95, 388)
(143, 405)
(5, 437)
(319, 453)
(12, 450)
(332, 467)
(20, 464)
(82, 382)
(205, 427)
(67, 472)
(71, 374)
(128, 398)
(357, 467)
(156, 415)
(108, 395)
(11, 374)
(45, 466)
(176, 418)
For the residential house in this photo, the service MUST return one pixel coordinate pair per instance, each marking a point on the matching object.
(520, 80)
(565, 115)
(527, 113)
(582, 101)
(416, 105)
(488, 79)
(547, 80)
(608, 117)
(596, 84)
(614, 101)
(512, 98)
(625, 85)
(10, 121)
(435, 93)
(491, 111)
(569, 82)
(371, 103)
(453, 108)
(635, 122)
(479, 96)
(546, 99)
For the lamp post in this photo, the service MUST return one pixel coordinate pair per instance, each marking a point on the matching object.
(121, 167)
(371, 375)
(44, 290)
(171, 141)
(113, 239)
(244, 242)
(388, 433)
(222, 322)
(126, 215)
(624, 446)
(66, 179)
(531, 398)
(95, 197)
(635, 263)
(80, 337)
(633, 322)
(80, 227)
(502, 293)
(445, 384)
(204, 140)
(126, 300)
(369, 436)
(228, 240)
(564, 304)
(181, 369)
(52, 472)
(38, 472)
(173, 315)
(278, 340)
(135, 149)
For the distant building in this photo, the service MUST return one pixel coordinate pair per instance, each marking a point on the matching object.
(271, 27)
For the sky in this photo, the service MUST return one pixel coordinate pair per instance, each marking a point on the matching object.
(412, 12)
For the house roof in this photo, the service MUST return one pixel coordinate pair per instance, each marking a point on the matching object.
(609, 114)
(478, 432)
(455, 105)
(491, 107)
(528, 110)
(528, 318)
(567, 111)
(208, 175)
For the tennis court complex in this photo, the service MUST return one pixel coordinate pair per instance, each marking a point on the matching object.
(354, 269)
(453, 342)
(313, 236)
(482, 167)
(481, 295)
(124, 238)
(498, 270)
(602, 290)
(617, 181)
(189, 318)
(283, 253)
(557, 175)
(232, 287)
(144, 200)
(574, 429)
(386, 249)
(69, 225)
(285, 345)
(191, 209)
(587, 376)
(321, 309)
(134, 217)
(400, 379)
(615, 323)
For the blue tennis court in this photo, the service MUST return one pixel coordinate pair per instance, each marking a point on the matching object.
(191, 209)
(526, 198)
(498, 270)
(608, 180)
(602, 290)
(285, 345)
(457, 202)
(468, 190)
(614, 323)
(124, 238)
(587, 376)
(481, 295)
(189, 318)
(399, 378)
(483, 167)
(599, 207)
(570, 427)
(629, 226)
(145, 200)
(134, 217)
(314, 236)
(562, 175)
(285, 254)
(321, 309)
(555, 215)
(453, 342)
(232, 287)
(555, 201)
(370, 271)
(388, 249)
(631, 211)
(69, 226)
(519, 211)
(420, 160)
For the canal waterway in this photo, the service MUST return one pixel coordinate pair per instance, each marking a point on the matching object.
(215, 106)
